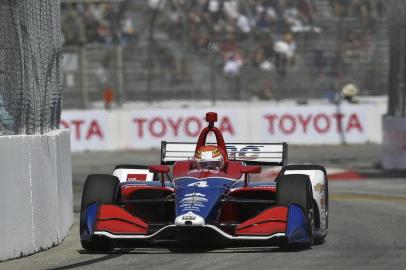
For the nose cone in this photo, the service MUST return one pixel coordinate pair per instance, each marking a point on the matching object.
(189, 219)
(196, 200)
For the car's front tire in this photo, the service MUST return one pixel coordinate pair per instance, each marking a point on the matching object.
(102, 189)
(297, 189)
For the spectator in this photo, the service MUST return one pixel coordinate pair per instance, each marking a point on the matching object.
(306, 10)
(284, 53)
(71, 25)
(342, 7)
(266, 92)
(243, 24)
(214, 6)
(94, 22)
(263, 23)
(156, 4)
(231, 9)
(291, 15)
(288, 38)
(349, 92)
(108, 98)
(332, 95)
(351, 44)
(261, 61)
(128, 33)
(104, 34)
(232, 65)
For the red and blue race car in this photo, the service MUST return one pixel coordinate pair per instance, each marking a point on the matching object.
(182, 202)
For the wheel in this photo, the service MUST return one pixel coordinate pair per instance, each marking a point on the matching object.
(98, 188)
(320, 234)
(97, 244)
(297, 189)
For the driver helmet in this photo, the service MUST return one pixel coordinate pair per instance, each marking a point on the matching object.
(209, 157)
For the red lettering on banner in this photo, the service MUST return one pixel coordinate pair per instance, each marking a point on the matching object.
(304, 121)
(175, 125)
(77, 124)
(94, 130)
(140, 126)
(318, 119)
(321, 123)
(284, 127)
(339, 121)
(354, 122)
(153, 124)
(226, 126)
(187, 124)
(271, 118)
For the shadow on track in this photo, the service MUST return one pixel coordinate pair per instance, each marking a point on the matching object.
(88, 262)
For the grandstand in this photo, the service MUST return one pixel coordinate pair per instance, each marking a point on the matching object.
(158, 50)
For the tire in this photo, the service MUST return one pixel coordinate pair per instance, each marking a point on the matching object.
(98, 188)
(98, 244)
(297, 189)
(318, 239)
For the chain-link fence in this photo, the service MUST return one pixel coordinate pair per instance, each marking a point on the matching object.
(30, 66)
(239, 49)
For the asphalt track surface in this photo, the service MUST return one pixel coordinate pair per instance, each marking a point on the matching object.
(367, 224)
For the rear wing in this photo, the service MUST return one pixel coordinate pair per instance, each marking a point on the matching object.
(275, 154)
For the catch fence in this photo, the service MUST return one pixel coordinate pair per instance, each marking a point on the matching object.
(30, 66)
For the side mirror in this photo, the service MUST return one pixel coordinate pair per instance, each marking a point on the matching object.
(162, 169)
(159, 169)
(249, 169)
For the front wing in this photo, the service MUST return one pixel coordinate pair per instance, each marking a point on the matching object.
(114, 222)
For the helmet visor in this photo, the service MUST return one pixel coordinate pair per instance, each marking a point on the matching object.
(213, 164)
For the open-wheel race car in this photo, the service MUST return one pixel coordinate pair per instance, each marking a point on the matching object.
(208, 194)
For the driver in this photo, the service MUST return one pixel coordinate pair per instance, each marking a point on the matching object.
(209, 157)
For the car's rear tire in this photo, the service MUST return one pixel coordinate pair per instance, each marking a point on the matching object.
(103, 189)
(297, 189)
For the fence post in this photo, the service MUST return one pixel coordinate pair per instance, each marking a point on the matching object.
(120, 77)
(213, 78)
(83, 76)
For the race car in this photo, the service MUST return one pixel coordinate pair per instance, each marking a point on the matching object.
(204, 191)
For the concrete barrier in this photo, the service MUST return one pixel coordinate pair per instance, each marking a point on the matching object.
(35, 192)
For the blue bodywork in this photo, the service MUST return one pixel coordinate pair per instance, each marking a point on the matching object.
(88, 221)
(200, 196)
(297, 225)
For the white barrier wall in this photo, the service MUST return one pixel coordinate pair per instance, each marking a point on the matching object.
(394, 143)
(35, 192)
(145, 128)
